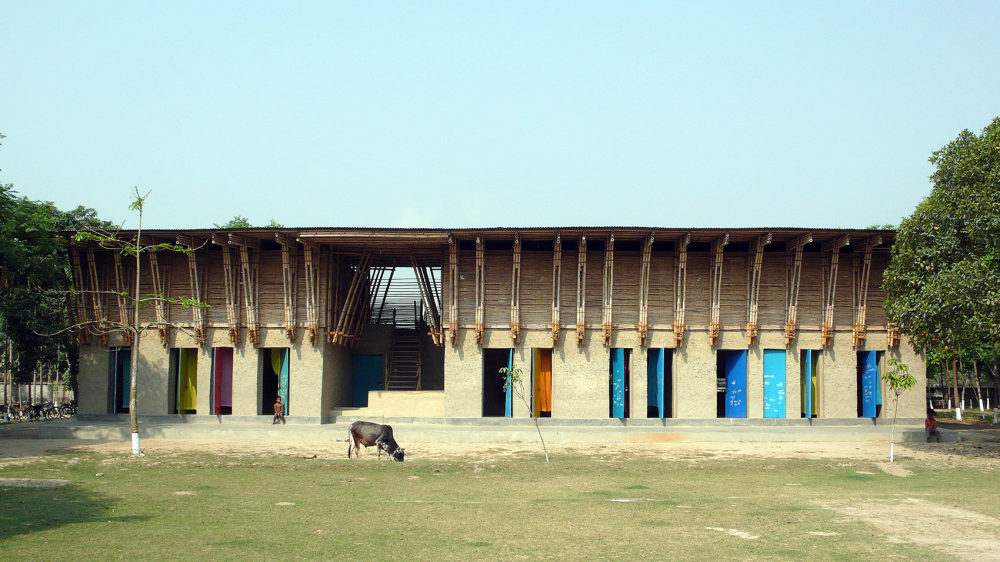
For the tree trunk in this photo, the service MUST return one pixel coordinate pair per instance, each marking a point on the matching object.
(958, 405)
(979, 388)
(133, 410)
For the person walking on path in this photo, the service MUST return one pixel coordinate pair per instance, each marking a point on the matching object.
(279, 412)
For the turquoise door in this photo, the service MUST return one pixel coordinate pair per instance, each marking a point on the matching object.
(774, 383)
(368, 374)
(618, 382)
(508, 408)
(654, 381)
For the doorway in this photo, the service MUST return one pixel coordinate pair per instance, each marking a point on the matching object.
(274, 379)
(222, 381)
(731, 383)
(541, 382)
(497, 401)
(618, 382)
(774, 383)
(659, 383)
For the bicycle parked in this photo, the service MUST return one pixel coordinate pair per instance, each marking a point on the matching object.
(68, 409)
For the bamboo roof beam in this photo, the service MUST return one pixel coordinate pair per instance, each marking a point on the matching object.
(680, 287)
(80, 294)
(831, 251)
(581, 291)
(344, 331)
(427, 295)
(97, 300)
(312, 288)
(197, 279)
(607, 298)
(231, 288)
(647, 250)
(480, 288)
(793, 280)
(515, 293)
(123, 283)
(289, 278)
(453, 278)
(714, 325)
(859, 298)
(753, 284)
(161, 291)
(556, 284)
(249, 252)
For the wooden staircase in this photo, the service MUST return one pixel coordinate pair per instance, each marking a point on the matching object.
(404, 360)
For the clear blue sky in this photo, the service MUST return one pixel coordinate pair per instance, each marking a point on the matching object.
(472, 114)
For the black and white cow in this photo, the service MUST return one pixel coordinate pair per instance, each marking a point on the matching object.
(368, 434)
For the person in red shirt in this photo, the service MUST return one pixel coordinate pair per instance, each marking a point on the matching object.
(930, 425)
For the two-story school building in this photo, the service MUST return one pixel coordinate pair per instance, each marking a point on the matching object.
(602, 322)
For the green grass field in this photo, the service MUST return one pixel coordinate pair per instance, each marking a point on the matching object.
(577, 507)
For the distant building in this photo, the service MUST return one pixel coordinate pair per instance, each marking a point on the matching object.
(604, 322)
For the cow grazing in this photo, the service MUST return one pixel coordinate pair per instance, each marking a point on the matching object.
(368, 434)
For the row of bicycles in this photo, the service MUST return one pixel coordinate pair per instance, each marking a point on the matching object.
(45, 410)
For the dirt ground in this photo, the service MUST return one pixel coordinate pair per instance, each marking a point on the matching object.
(980, 446)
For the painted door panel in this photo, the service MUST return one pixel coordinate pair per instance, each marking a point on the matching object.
(736, 384)
(368, 374)
(869, 381)
(222, 383)
(774, 383)
(655, 380)
(509, 392)
(541, 375)
(187, 387)
(618, 382)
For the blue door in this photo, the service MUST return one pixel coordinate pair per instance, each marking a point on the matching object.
(869, 384)
(368, 374)
(736, 384)
(808, 378)
(618, 382)
(654, 381)
(774, 383)
(509, 391)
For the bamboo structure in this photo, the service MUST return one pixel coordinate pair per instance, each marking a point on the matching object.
(861, 274)
(831, 261)
(753, 286)
(680, 287)
(793, 281)
(714, 326)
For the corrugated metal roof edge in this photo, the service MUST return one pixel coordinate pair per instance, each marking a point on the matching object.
(366, 229)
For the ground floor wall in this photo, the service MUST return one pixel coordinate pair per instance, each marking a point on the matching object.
(319, 376)
(580, 373)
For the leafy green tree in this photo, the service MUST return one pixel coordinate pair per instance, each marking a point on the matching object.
(238, 221)
(943, 280)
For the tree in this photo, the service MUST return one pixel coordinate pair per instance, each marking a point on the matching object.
(136, 249)
(238, 221)
(514, 382)
(943, 280)
(899, 380)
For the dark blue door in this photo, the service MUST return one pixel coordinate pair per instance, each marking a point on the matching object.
(654, 380)
(368, 375)
(736, 384)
